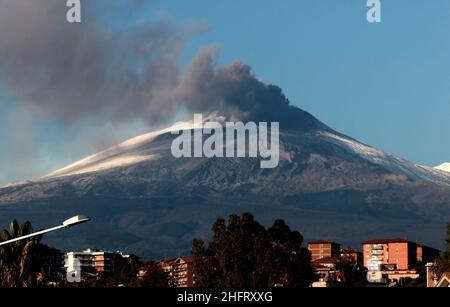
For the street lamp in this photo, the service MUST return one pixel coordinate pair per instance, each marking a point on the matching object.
(78, 219)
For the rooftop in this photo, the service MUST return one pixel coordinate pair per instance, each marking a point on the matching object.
(427, 247)
(444, 281)
(322, 242)
(349, 251)
(187, 259)
(172, 261)
(386, 241)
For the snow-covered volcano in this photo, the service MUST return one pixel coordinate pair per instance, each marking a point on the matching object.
(327, 184)
(311, 160)
(297, 148)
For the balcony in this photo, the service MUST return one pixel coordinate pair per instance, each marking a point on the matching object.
(377, 252)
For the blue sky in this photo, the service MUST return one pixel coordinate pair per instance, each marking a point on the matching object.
(387, 84)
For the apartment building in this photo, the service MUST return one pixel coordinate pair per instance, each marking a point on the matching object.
(393, 254)
(322, 249)
(180, 271)
(90, 261)
(426, 254)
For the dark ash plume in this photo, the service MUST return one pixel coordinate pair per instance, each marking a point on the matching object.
(74, 71)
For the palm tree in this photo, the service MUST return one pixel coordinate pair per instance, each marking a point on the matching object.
(27, 262)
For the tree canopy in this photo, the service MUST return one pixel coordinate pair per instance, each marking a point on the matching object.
(242, 253)
(27, 262)
(442, 264)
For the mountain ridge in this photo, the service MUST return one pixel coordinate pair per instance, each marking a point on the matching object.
(110, 158)
(327, 184)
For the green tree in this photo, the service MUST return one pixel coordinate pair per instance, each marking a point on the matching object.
(27, 262)
(442, 264)
(242, 253)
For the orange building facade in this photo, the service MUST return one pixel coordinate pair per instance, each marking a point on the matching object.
(398, 254)
(322, 249)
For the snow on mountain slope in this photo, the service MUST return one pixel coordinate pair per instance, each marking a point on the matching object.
(144, 148)
(391, 162)
(127, 153)
(314, 159)
(444, 167)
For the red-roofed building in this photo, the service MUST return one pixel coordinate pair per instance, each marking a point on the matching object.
(321, 249)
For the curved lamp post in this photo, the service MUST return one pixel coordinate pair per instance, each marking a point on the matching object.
(78, 219)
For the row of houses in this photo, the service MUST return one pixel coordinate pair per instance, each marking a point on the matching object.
(397, 252)
(91, 262)
(383, 260)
